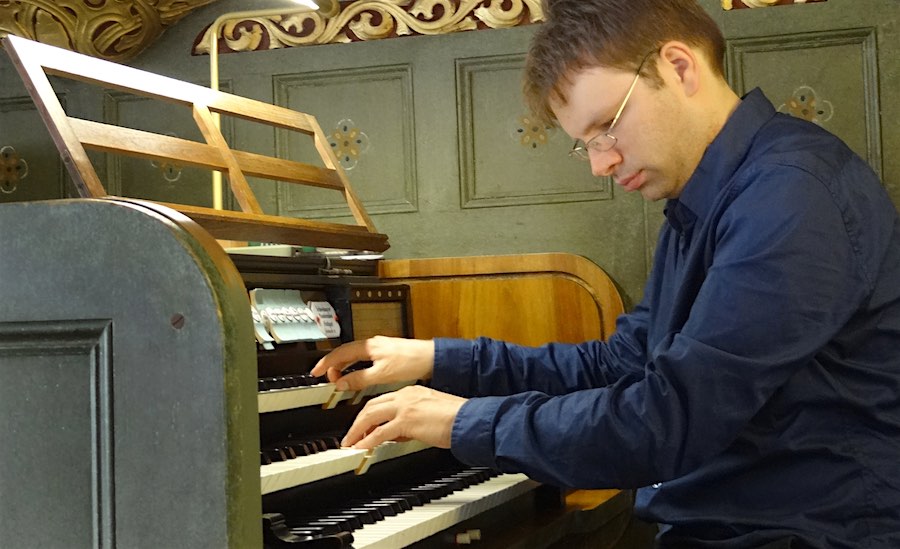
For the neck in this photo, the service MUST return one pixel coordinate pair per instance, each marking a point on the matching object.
(723, 102)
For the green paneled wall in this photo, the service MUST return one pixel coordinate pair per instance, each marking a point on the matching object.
(447, 162)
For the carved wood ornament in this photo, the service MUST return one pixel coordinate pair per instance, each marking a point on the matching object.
(737, 4)
(370, 20)
(116, 30)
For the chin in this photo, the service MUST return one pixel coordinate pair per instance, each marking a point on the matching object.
(651, 194)
(655, 191)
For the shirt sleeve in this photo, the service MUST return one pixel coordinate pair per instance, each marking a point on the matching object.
(782, 277)
(484, 366)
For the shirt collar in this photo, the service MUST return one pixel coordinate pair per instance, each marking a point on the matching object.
(721, 160)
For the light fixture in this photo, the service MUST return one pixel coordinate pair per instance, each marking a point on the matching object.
(325, 8)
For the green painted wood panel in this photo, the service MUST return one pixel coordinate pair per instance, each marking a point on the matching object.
(30, 168)
(446, 173)
(845, 53)
(154, 180)
(506, 158)
(367, 115)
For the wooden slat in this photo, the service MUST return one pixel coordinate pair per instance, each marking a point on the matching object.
(229, 225)
(154, 146)
(327, 153)
(239, 186)
(288, 170)
(74, 156)
(83, 68)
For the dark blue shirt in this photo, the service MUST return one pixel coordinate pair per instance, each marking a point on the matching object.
(754, 393)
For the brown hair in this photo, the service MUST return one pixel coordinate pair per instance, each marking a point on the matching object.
(610, 33)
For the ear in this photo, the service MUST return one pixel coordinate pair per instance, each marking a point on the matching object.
(684, 63)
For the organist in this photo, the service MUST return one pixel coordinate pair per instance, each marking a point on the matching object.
(753, 396)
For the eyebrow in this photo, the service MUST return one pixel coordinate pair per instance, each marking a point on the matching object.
(605, 126)
(594, 129)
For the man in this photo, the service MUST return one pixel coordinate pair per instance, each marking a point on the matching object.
(753, 396)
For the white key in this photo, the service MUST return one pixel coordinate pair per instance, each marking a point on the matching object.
(315, 395)
(305, 469)
(294, 397)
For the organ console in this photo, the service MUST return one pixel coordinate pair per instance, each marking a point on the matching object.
(156, 392)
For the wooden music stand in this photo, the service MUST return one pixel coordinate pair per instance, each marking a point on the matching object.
(35, 61)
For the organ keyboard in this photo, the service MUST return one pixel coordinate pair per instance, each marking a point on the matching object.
(437, 515)
(302, 420)
(309, 468)
(176, 377)
(401, 493)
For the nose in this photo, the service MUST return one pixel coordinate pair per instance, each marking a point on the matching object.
(603, 164)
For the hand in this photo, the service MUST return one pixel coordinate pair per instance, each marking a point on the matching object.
(413, 412)
(393, 359)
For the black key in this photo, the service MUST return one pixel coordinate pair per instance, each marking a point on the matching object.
(271, 383)
(386, 508)
(319, 445)
(328, 526)
(273, 455)
(415, 498)
(401, 504)
(310, 531)
(350, 521)
(306, 380)
(331, 443)
(372, 513)
(300, 448)
(365, 516)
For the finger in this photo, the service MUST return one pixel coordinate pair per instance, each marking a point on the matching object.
(379, 435)
(376, 412)
(340, 358)
(356, 381)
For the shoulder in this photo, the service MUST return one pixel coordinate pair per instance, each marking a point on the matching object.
(804, 179)
(787, 142)
(791, 158)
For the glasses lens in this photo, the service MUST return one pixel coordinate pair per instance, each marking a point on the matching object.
(602, 143)
(578, 150)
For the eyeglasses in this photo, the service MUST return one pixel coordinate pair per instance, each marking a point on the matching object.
(606, 140)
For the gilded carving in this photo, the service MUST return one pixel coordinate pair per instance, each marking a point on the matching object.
(731, 4)
(116, 30)
(372, 20)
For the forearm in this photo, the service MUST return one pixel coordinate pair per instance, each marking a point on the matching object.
(485, 367)
(488, 367)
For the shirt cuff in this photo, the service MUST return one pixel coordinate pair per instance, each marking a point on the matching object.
(472, 436)
(453, 366)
